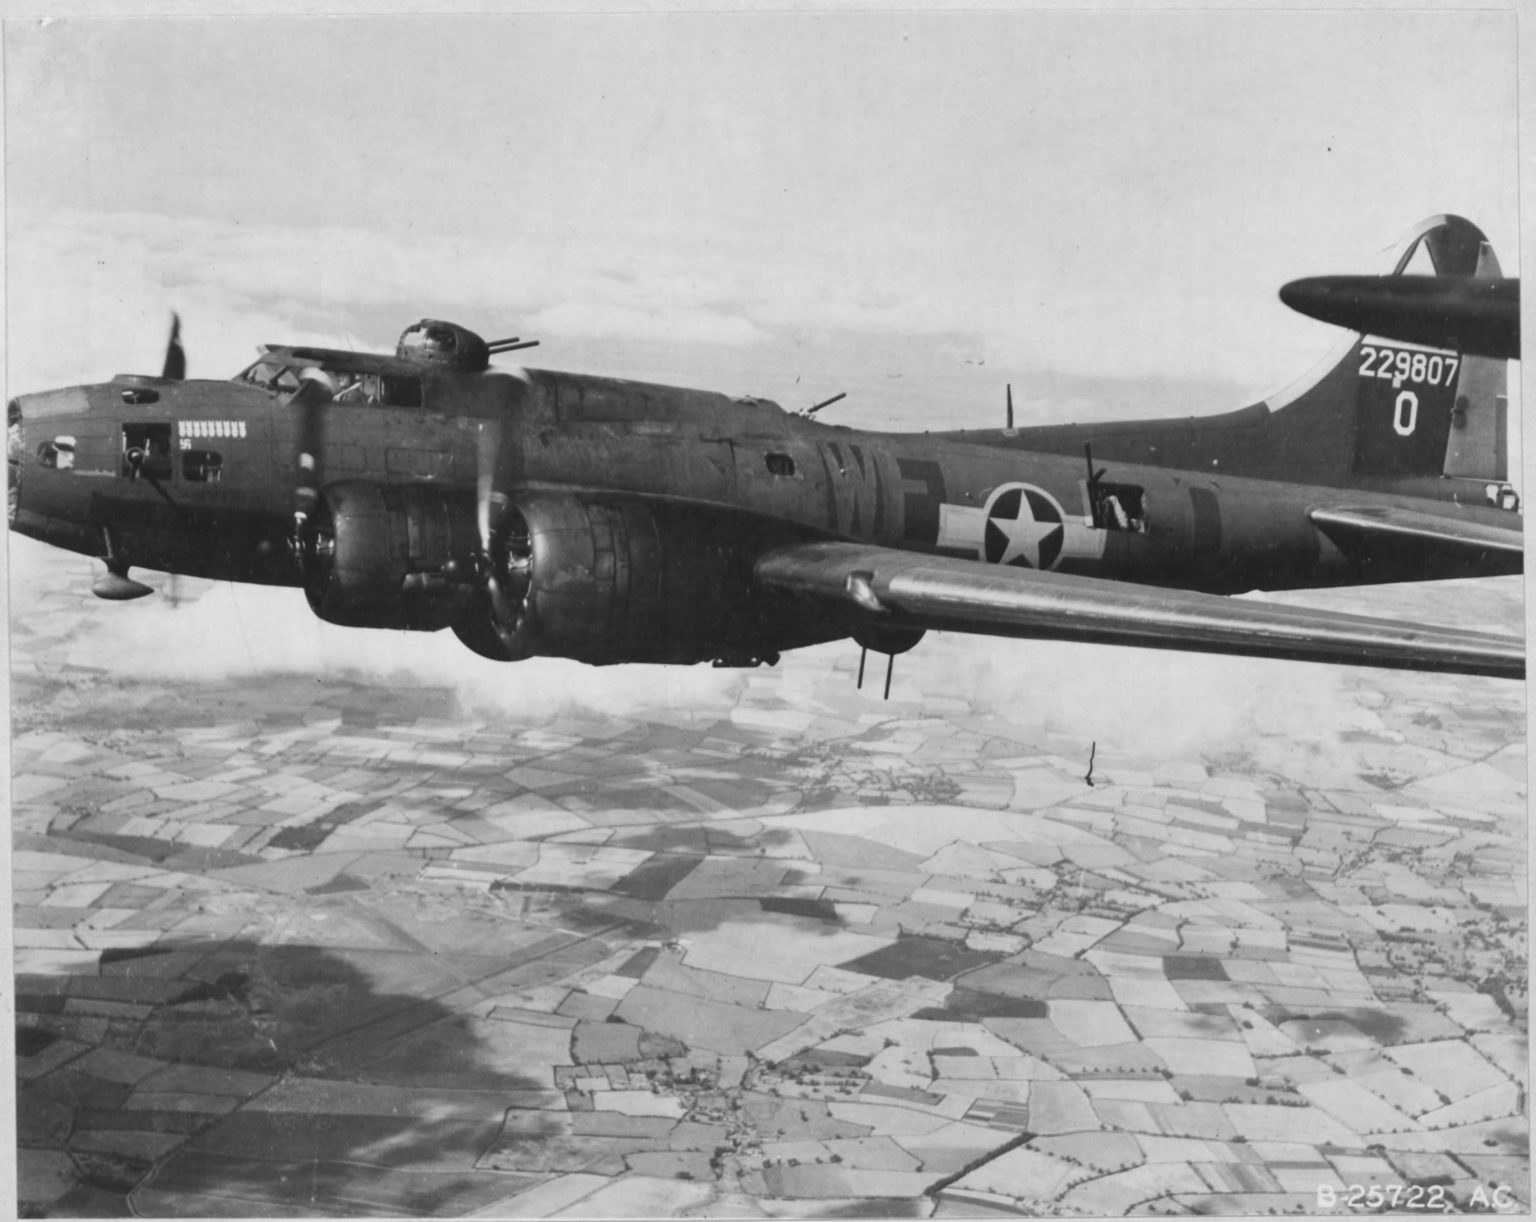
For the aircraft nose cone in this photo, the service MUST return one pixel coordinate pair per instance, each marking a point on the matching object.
(14, 443)
(15, 446)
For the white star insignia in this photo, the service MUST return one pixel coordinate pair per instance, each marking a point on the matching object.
(1025, 536)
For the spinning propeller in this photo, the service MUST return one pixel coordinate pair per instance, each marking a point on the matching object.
(308, 404)
(175, 367)
(505, 559)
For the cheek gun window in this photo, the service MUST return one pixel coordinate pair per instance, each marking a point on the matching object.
(147, 451)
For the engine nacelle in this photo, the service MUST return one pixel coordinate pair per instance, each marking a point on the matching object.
(618, 579)
(391, 556)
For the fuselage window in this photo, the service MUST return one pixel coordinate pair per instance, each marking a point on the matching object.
(147, 451)
(202, 466)
(780, 464)
(402, 390)
(58, 454)
(1120, 507)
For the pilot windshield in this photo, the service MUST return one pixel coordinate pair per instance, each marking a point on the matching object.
(270, 375)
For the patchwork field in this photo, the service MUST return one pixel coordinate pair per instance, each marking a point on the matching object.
(306, 932)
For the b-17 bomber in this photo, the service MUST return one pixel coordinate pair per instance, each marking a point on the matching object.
(541, 513)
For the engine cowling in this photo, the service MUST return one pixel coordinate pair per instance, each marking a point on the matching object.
(617, 579)
(391, 556)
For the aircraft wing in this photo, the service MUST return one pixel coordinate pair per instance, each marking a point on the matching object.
(1349, 524)
(898, 589)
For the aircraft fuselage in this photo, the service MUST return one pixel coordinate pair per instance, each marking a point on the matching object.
(213, 495)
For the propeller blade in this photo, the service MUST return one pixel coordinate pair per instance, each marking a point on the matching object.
(487, 447)
(490, 505)
(308, 405)
(175, 367)
(490, 515)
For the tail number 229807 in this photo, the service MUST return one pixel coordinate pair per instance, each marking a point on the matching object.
(1399, 365)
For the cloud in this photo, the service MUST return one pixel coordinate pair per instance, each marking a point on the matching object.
(200, 631)
(656, 324)
(82, 282)
(1147, 703)
(1150, 705)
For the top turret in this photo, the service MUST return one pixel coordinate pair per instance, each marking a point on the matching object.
(447, 343)
(444, 343)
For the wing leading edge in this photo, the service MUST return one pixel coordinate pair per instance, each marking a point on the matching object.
(909, 590)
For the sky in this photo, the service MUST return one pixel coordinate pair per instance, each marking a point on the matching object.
(917, 208)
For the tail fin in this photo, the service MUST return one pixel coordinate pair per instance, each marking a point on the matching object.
(1386, 411)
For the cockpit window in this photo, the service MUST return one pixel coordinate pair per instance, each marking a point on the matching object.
(347, 385)
(390, 390)
(356, 387)
(270, 375)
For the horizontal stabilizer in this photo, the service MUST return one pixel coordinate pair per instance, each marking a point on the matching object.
(1478, 316)
(904, 590)
(1390, 522)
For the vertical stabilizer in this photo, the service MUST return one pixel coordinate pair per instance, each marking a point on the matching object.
(1386, 411)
